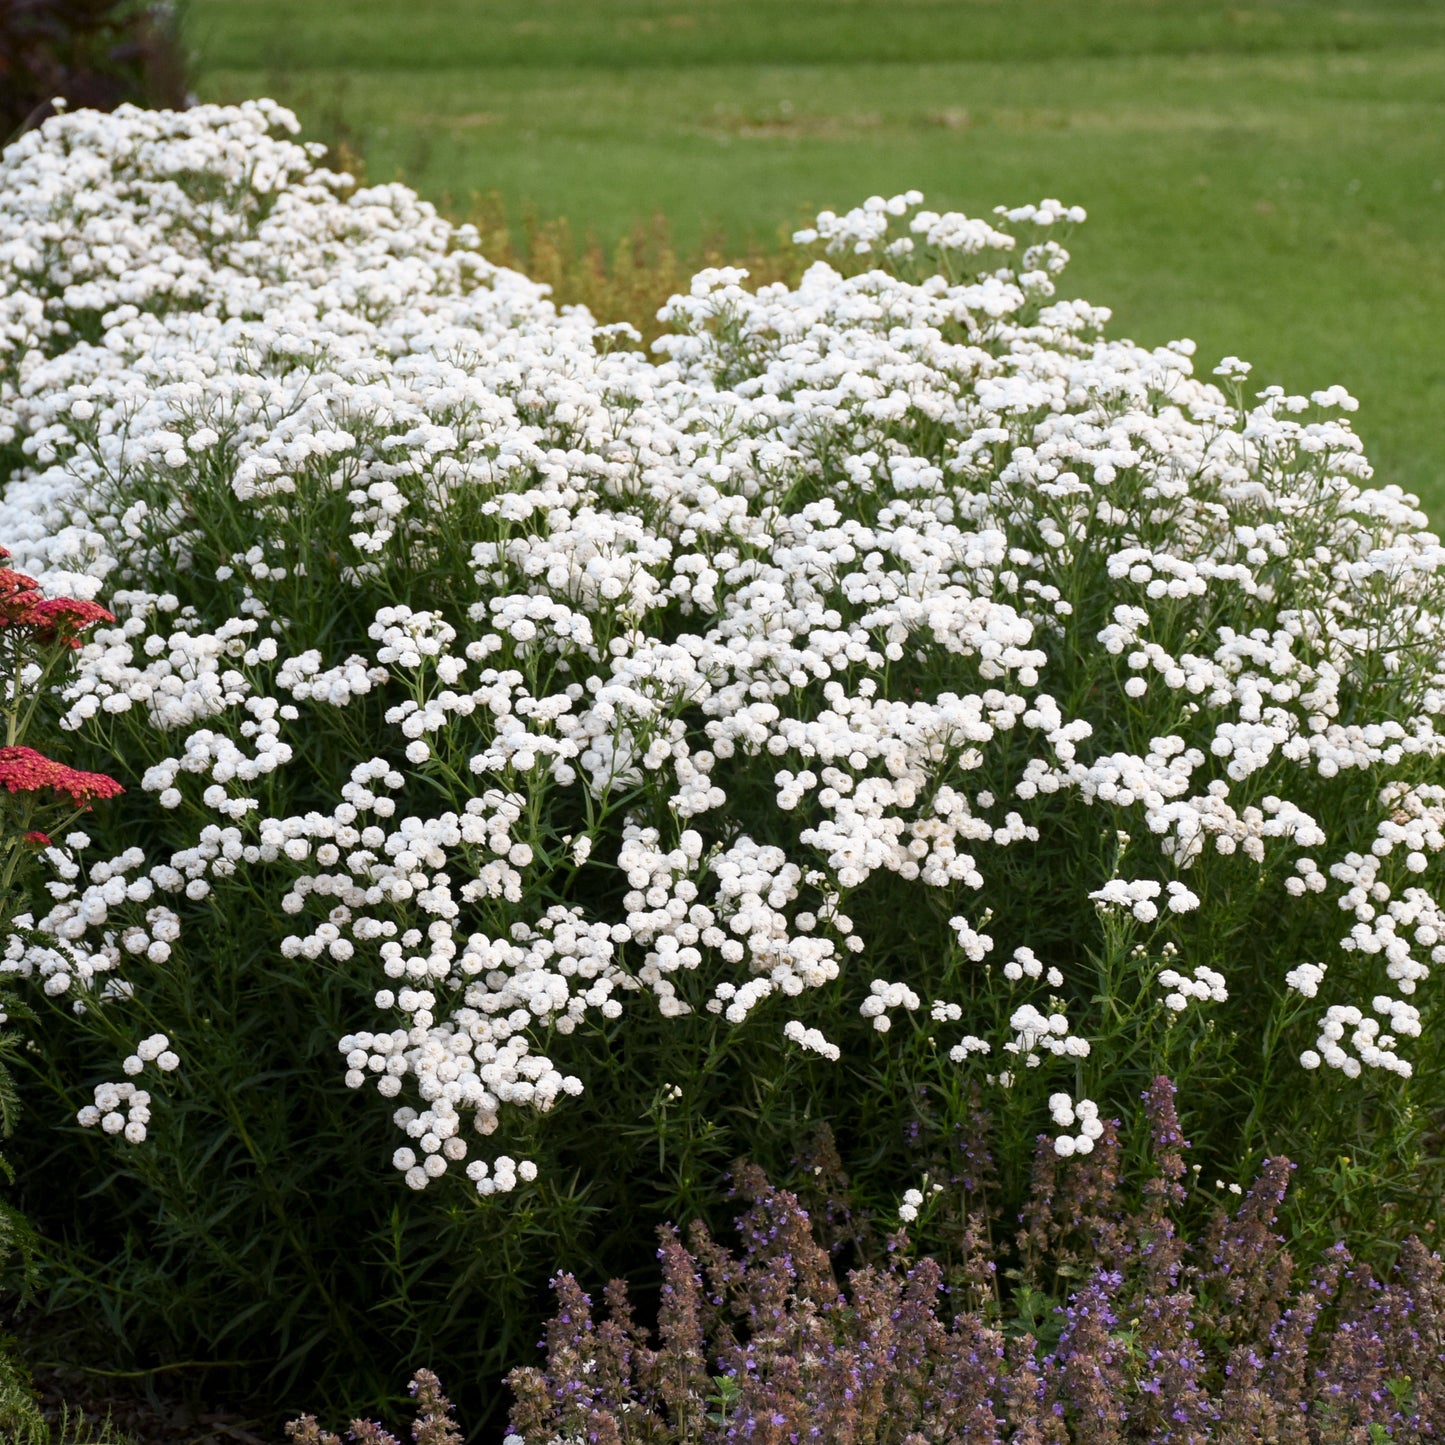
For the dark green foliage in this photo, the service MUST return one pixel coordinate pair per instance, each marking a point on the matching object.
(92, 53)
(21, 1420)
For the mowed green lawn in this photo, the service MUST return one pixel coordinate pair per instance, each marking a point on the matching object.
(1265, 176)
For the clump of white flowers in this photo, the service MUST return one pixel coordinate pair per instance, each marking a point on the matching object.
(1066, 1114)
(644, 669)
(1204, 986)
(812, 1039)
(914, 1199)
(883, 996)
(1306, 978)
(156, 1049)
(118, 1109)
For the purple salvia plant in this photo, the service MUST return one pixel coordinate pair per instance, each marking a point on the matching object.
(1089, 1379)
(1160, 1343)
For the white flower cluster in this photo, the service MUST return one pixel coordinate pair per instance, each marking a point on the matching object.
(157, 1050)
(1037, 1033)
(969, 1044)
(1386, 924)
(883, 996)
(1024, 964)
(1374, 1046)
(1065, 1114)
(843, 547)
(1204, 986)
(913, 1200)
(811, 1039)
(1306, 978)
(1137, 897)
(110, 1101)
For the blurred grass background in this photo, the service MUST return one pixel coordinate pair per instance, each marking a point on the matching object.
(1265, 176)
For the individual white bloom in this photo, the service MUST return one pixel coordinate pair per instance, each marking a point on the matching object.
(152, 1047)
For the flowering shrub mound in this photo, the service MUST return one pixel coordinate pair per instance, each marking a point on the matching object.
(892, 689)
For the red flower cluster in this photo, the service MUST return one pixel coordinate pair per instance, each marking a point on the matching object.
(63, 619)
(23, 770)
(17, 594)
(55, 619)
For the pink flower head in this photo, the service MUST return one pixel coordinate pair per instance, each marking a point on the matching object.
(55, 619)
(18, 594)
(38, 839)
(62, 619)
(23, 770)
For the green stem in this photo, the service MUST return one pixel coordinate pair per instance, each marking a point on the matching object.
(143, 1374)
(12, 709)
